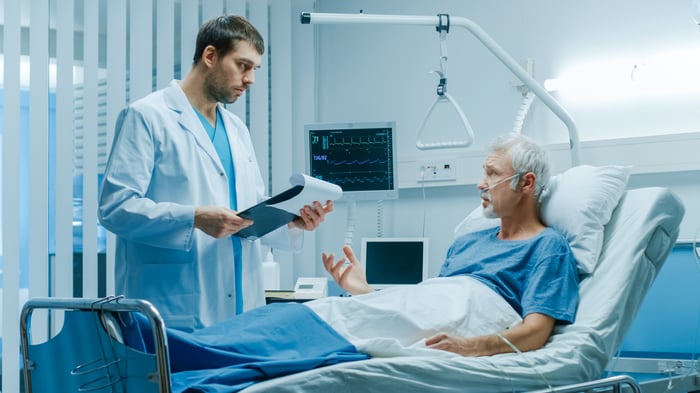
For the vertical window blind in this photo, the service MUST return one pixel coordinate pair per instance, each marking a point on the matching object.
(68, 68)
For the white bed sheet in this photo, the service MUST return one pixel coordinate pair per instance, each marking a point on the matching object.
(395, 321)
(638, 238)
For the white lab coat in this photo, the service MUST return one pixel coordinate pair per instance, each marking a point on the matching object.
(163, 165)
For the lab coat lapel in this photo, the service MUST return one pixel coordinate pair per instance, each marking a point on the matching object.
(188, 120)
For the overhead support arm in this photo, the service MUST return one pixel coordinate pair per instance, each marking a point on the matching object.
(482, 36)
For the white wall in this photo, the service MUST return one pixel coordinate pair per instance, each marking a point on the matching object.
(380, 72)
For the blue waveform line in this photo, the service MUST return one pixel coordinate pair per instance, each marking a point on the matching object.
(357, 162)
(360, 180)
(371, 140)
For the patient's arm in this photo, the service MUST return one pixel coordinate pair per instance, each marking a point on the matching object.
(350, 277)
(530, 334)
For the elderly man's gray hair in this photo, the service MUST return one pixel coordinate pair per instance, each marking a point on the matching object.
(526, 156)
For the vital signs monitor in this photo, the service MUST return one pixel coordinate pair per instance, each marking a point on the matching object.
(360, 157)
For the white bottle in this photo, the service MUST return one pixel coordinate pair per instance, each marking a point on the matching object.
(271, 272)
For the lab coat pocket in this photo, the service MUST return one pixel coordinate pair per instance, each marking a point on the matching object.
(169, 281)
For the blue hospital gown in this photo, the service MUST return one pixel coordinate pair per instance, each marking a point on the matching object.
(536, 275)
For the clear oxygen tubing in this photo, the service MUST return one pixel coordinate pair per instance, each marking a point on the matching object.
(444, 97)
(504, 374)
(516, 350)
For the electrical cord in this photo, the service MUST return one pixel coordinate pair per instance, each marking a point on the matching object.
(380, 217)
(425, 200)
(350, 230)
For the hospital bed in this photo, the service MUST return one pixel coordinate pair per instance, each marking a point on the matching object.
(637, 239)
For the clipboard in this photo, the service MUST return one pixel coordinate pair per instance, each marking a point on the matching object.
(282, 208)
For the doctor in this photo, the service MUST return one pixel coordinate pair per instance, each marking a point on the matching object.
(180, 167)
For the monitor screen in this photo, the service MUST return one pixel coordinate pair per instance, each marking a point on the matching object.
(392, 261)
(359, 157)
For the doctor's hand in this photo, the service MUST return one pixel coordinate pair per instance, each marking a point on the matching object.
(218, 222)
(311, 217)
(351, 277)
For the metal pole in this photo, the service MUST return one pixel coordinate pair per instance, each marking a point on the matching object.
(478, 33)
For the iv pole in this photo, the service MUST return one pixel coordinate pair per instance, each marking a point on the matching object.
(485, 39)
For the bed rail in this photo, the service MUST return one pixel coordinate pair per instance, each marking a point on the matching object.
(650, 383)
(616, 383)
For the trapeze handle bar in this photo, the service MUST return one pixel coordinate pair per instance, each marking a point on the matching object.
(483, 37)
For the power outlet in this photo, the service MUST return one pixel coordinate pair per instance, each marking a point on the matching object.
(437, 170)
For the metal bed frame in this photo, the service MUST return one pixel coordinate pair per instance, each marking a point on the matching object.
(128, 370)
(86, 355)
(626, 383)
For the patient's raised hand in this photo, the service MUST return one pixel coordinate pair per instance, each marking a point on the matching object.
(350, 276)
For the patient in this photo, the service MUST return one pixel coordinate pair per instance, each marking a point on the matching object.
(529, 266)
(499, 290)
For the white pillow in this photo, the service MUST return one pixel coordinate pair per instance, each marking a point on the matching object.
(578, 202)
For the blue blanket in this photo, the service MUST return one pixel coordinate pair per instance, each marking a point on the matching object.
(267, 342)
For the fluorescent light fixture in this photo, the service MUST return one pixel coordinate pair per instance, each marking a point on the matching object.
(665, 74)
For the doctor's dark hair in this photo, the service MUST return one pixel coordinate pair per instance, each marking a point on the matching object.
(224, 33)
(526, 156)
